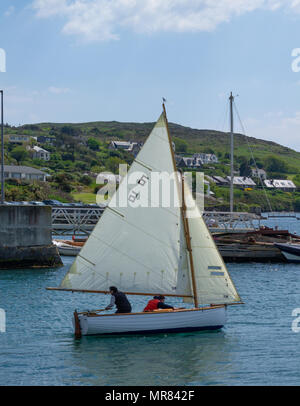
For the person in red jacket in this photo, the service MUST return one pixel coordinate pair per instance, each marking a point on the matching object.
(157, 303)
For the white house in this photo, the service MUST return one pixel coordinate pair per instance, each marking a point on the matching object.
(207, 158)
(40, 153)
(20, 138)
(23, 172)
(189, 162)
(132, 147)
(242, 181)
(280, 184)
(259, 173)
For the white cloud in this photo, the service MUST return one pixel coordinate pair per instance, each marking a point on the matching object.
(9, 11)
(100, 20)
(277, 127)
(58, 90)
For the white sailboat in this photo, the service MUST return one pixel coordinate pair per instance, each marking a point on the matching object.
(150, 250)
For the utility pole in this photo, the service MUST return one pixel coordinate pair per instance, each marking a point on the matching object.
(231, 99)
(2, 152)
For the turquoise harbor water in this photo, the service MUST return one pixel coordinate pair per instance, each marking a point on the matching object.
(257, 346)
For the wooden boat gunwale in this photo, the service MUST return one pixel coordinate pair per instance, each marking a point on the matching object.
(91, 314)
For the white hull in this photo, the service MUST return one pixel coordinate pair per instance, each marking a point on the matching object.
(153, 322)
(67, 250)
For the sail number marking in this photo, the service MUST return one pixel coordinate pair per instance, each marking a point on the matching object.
(133, 196)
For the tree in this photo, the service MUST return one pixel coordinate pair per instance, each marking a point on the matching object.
(296, 180)
(274, 164)
(86, 180)
(68, 130)
(64, 180)
(112, 164)
(95, 131)
(19, 154)
(297, 204)
(180, 145)
(93, 144)
(245, 169)
(208, 150)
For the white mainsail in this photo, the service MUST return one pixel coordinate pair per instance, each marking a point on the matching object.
(141, 247)
(137, 249)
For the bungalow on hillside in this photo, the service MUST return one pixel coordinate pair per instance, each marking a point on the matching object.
(280, 184)
(20, 138)
(189, 162)
(242, 181)
(132, 147)
(207, 158)
(45, 139)
(23, 172)
(220, 181)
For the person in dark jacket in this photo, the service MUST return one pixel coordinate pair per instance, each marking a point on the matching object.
(119, 300)
(158, 302)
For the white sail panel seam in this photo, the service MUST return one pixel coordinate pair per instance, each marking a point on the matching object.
(142, 164)
(86, 260)
(156, 239)
(143, 231)
(128, 256)
(115, 211)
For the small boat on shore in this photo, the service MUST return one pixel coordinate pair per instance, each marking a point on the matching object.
(68, 248)
(290, 251)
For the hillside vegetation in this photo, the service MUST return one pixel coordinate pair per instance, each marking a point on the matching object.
(80, 151)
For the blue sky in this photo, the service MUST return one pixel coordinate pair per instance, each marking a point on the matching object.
(90, 60)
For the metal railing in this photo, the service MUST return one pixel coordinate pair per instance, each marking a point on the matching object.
(82, 220)
(231, 221)
(71, 220)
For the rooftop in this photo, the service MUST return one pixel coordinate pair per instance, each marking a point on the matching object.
(39, 149)
(22, 169)
(279, 183)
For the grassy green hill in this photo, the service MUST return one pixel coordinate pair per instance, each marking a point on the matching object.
(81, 150)
(196, 140)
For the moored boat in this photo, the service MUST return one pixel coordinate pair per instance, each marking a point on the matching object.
(67, 248)
(291, 252)
(259, 245)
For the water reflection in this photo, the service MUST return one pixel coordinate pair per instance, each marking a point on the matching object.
(174, 359)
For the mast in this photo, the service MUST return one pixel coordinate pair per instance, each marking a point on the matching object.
(183, 214)
(231, 98)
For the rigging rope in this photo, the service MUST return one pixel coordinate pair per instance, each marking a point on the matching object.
(252, 156)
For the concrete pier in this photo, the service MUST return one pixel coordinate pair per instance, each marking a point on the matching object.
(25, 237)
